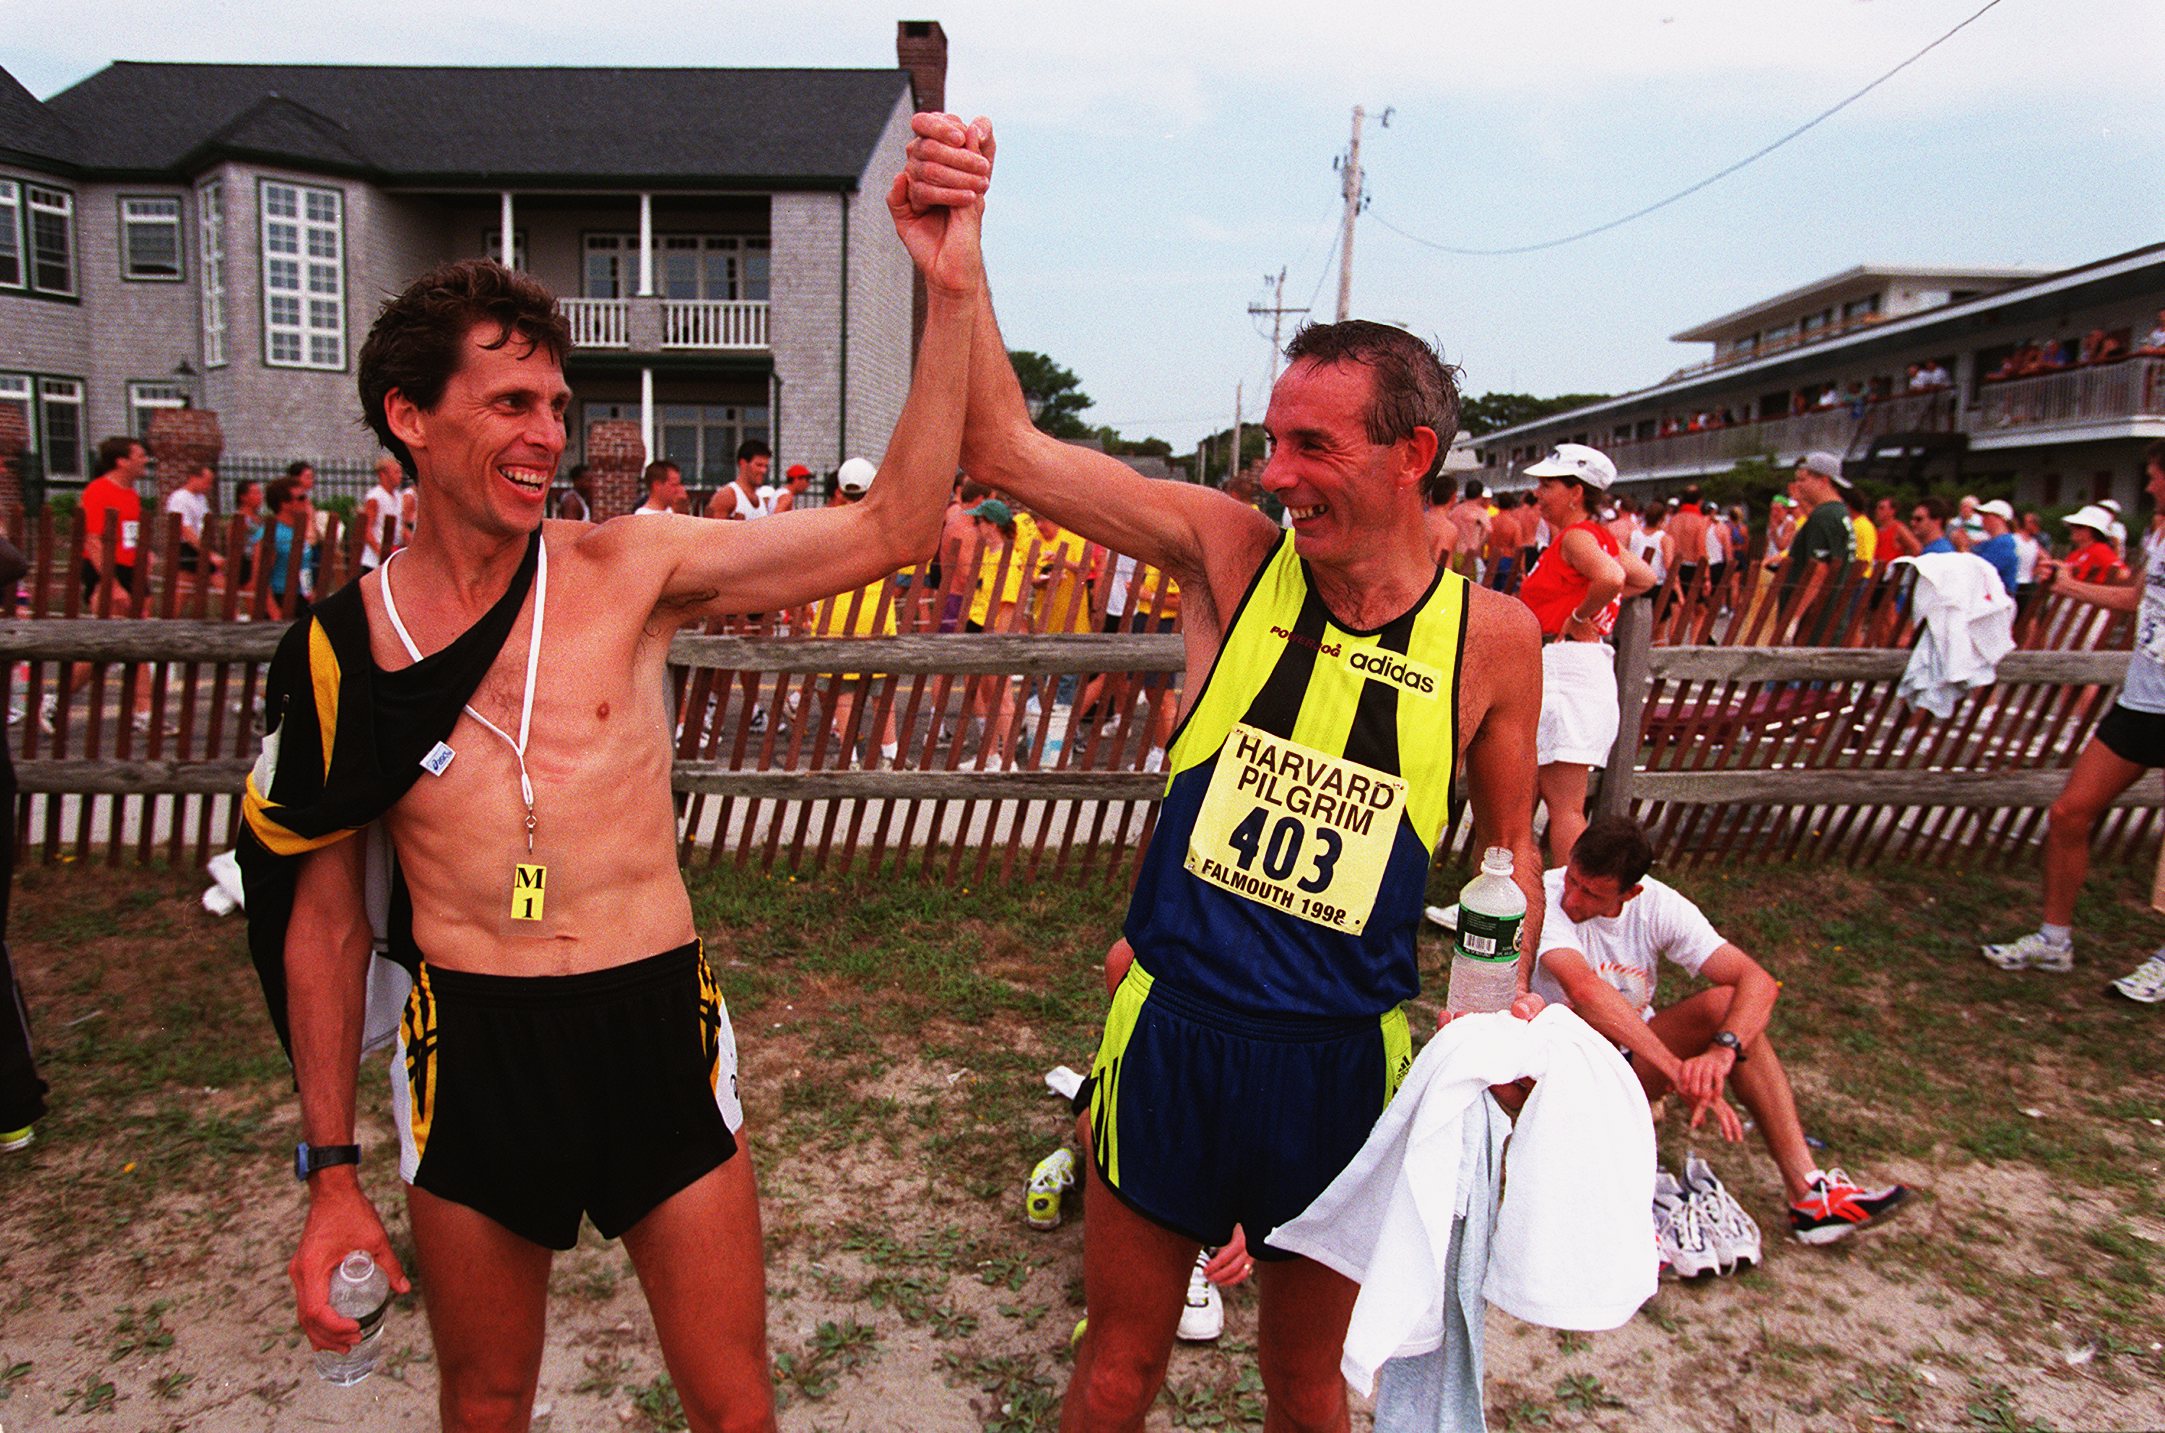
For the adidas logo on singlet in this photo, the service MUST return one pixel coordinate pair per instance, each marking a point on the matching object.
(1402, 672)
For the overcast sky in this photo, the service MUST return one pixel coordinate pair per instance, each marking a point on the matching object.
(1158, 159)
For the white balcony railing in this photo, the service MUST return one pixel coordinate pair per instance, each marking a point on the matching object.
(2103, 393)
(598, 323)
(714, 323)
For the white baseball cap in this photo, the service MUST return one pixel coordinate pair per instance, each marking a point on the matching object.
(1578, 462)
(855, 476)
(1999, 508)
(2092, 517)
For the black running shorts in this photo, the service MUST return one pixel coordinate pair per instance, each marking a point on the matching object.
(1202, 1118)
(2134, 736)
(538, 1099)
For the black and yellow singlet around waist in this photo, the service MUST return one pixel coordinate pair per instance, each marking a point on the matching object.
(1308, 787)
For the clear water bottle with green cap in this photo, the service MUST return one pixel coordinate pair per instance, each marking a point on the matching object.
(1485, 953)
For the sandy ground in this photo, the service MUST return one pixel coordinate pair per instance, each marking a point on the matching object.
(1809, 1342)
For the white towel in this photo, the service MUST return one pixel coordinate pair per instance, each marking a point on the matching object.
(1968, 622)
(1574, 1245)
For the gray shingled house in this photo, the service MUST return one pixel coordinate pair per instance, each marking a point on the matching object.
(220, 236)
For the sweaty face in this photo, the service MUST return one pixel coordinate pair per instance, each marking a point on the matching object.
(754, 470)
(1593, 897)
(1339, 489)
(489, 448)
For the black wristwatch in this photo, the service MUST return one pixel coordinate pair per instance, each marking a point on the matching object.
(1728, 1041)
(308, 1158)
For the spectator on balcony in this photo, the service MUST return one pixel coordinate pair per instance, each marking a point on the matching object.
(576, 503)
(664, 489)
(1895, 538)
(1928, 525)
(2092, 557)
(2051, 355)
(2154, 341)
(1854, 398)
(1914, 379)
(1999, 547)
(1800, 403)
(1937, 376)
(739, 499)
(1830, 397)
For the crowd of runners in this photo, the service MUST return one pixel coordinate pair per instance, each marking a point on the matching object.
(561, 1049)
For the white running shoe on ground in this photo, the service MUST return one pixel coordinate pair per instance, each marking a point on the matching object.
(2145, 983)
(2032, 952)
(1686, 1244)
(1053, 1177)
(1202, 1318)
(1447, 917)
(1733, 1233)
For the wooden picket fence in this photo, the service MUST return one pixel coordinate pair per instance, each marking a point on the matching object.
(966, 799)
(1751, 752)
(1746, 749)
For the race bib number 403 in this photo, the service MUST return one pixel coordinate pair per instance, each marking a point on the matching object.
(1295, 828)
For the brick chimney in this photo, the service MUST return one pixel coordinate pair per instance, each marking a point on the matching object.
(921, 48)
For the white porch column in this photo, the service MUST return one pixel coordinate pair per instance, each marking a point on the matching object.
(646, 413)
(504, 229)
(646, 245)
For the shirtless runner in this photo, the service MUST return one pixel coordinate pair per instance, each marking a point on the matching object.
(1341, 690)
(530, 1017)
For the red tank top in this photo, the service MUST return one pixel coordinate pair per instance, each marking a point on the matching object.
(1555, 589)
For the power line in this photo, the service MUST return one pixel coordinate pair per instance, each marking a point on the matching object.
(1719, 175)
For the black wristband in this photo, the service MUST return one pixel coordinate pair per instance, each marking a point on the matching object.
(309, 1158)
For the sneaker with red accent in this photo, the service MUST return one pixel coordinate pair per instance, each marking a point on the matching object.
(1838, 1204)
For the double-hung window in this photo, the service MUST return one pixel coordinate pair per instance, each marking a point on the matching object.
(304, 277)
(11, 234)
(52, 239)
(150, 239)
(60, 402)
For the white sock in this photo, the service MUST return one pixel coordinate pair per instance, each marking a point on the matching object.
(1816, 1176)
(888, 749)
(2060, 935)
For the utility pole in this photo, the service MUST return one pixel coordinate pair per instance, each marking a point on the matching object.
(1233, 468)
(1351, 174)
(1277, 311)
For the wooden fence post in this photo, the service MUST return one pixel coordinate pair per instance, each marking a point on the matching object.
(1634, 641)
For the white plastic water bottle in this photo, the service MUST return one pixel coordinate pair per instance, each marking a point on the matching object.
(1484, 956)
(362, 1292)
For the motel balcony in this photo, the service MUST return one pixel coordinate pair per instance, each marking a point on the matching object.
(2107, 400)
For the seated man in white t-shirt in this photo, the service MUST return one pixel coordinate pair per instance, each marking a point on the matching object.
(1608, 928)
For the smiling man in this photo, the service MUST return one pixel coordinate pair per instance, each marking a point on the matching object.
(1342, 691)
(495, 691)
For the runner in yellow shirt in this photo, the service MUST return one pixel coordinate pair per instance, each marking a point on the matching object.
(868, 612)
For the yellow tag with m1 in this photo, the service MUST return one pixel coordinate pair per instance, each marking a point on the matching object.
(529, 887)
(1297, 829)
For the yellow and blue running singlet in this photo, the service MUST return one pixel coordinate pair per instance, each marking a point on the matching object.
(1308, 787)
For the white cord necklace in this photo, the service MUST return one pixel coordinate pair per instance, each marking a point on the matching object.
(533, 665)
